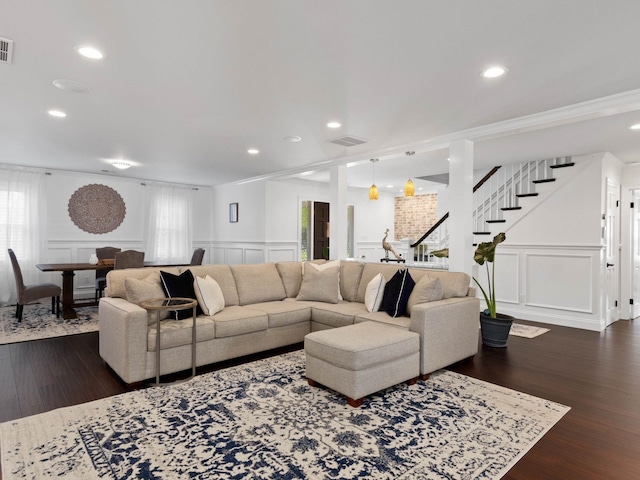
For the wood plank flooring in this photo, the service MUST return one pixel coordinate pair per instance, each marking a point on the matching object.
(596, 374)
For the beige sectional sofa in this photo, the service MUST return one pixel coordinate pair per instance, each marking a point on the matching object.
(262, 312)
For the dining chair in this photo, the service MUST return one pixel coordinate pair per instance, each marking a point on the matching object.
(197, 257)
(29, 293)
(103, 253)
(128, 259)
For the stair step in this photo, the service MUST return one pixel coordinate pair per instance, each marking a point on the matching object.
(506, 209)
(482, 233)
(544, 180)
(496, 221)
(523, 195)
(562, 165)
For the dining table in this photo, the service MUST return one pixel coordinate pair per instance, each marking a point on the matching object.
(69, 304)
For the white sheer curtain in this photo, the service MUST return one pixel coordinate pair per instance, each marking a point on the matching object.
(22, 226)
(168, 236)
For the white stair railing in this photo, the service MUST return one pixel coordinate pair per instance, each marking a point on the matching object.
(499, 192)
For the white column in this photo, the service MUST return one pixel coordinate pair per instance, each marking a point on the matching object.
(338, 212)
(461, 206)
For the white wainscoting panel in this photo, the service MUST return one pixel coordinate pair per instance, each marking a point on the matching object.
(281, 254)
(560, 281)
(234, 256)
(253, 255)
(218, 255)
(508, 275)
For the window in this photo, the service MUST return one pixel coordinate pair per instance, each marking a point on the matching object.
(169, 237)
(305, 238)
(22, 214)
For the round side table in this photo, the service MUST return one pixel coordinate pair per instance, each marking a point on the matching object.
(159, 305)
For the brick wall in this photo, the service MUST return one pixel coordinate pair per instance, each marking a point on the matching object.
(415, 215)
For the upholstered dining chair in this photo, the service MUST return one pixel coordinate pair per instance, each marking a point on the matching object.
(128, 259)
(197, 257)
(103, 253)
(29, 293)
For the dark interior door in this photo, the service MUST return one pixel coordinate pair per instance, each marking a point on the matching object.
(321, 230)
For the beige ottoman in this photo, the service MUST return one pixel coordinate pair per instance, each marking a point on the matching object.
(358, 360)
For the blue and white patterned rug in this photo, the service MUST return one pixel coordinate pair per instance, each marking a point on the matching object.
(38, 322)
(262, 421)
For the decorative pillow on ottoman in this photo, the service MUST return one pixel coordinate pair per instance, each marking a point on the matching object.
(179, 286)
(397, 292)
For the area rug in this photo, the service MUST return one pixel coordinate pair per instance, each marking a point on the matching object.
(526, 331)
(38, 322)
(262, 420)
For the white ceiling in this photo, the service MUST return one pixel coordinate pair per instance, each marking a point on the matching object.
(188, 86)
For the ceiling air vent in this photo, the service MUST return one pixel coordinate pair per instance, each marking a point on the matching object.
(6, 50)
(348, 141)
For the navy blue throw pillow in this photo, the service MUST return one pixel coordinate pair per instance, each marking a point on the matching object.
(396, 293)
(179, 286)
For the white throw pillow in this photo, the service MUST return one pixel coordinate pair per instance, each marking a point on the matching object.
(209, 295)
(374, 293)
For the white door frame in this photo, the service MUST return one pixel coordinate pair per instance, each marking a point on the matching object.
(627, 251)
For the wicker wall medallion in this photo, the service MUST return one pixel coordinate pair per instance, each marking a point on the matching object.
(97, 208)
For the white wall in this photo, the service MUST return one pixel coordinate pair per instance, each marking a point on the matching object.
(65, 242)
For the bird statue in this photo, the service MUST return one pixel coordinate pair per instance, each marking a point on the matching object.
(388, 248)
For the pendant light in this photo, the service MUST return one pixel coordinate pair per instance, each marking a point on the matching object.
(409, 187)
(373, 190)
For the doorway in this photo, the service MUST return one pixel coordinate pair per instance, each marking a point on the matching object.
(612, 252)
(321, 232)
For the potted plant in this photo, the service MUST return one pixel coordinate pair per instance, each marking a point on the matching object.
(494, 326)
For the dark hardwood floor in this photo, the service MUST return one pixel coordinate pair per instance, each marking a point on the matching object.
(596, 374)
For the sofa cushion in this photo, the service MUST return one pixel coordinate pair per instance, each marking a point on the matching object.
(374, 293)
(350, 275)
(115, 278)
(209, 295)
(454, 284)
(396, 293)
(139, 291)
(291, 275)
(258, 283)
(175, 333)
(320, 285)
(426, 290)
(221, 274)
(237, 320)
(283, 313)
(384, 318)
(336, 315)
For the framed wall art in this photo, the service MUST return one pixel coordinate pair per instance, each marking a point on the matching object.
(233, 213)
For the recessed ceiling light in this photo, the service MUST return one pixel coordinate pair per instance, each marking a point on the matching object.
(334, 125)
(253, 151)
(389, 186)
(57, 113)
(495, 71)
(70, 86)
(291, 138)
(89, 52)
(635, 127)
(121, 164)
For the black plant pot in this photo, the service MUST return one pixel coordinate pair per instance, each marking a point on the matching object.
(495, 331)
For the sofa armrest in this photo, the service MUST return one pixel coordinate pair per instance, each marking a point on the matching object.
(123, 337)
(448, 331)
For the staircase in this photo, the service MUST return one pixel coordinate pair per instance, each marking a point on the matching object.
(500, 191)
